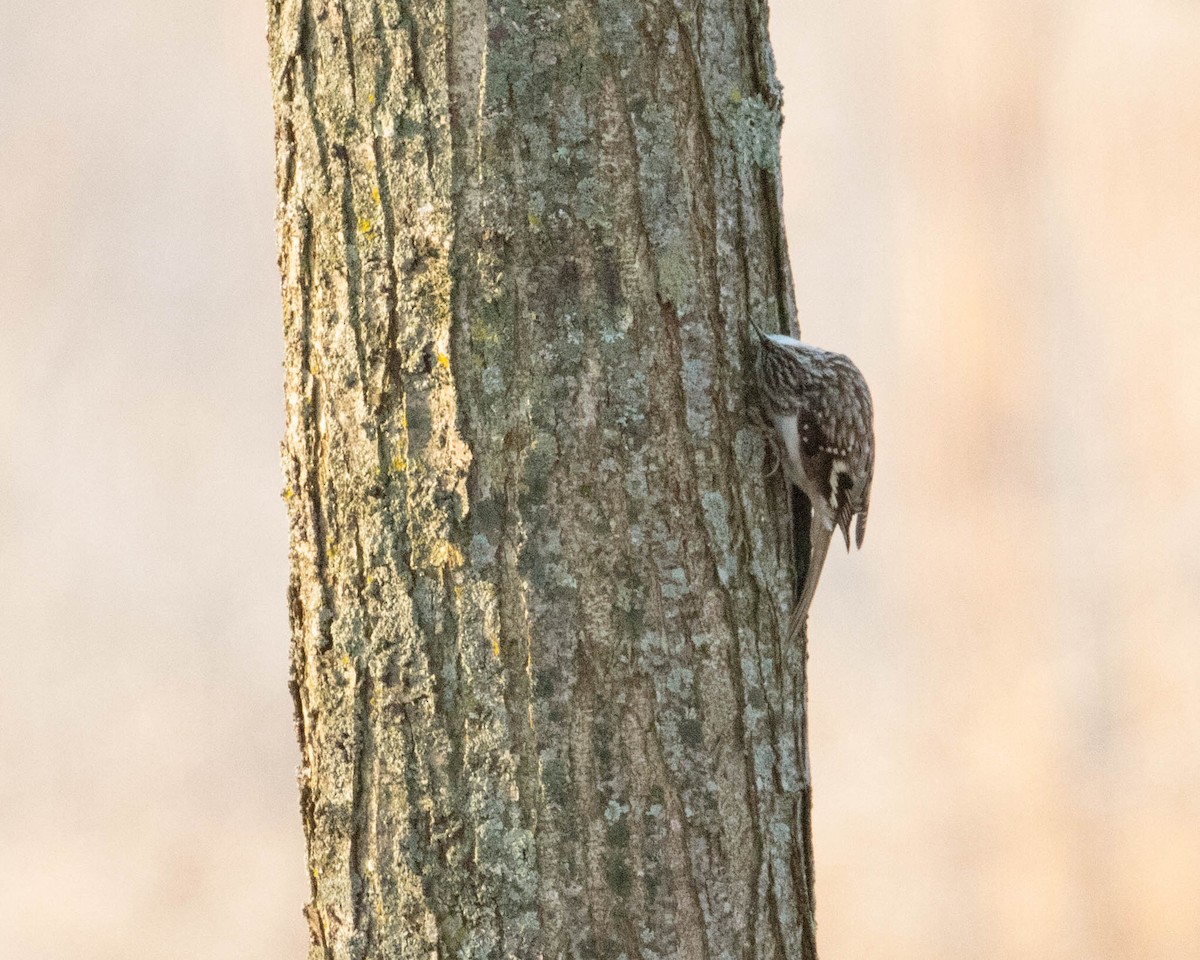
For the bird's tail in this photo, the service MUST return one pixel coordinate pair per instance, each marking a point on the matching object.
(801, 536)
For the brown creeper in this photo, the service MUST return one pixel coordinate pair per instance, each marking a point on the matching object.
(820, 407)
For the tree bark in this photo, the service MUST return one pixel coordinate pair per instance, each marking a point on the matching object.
(540, 574)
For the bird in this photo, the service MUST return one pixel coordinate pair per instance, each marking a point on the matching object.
(820, 407)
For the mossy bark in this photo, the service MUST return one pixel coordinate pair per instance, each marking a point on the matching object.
(540, 578)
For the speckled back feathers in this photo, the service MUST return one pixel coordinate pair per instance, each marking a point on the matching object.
(830, 400)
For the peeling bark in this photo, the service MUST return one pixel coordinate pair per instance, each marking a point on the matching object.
(540, 578)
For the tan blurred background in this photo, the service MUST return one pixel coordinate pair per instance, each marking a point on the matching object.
(994, 206)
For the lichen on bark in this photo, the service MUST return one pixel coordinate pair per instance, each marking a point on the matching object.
(539, 575)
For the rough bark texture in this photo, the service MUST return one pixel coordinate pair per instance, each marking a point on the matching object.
(540, 579)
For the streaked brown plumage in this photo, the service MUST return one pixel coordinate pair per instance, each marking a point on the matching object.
(820, 407)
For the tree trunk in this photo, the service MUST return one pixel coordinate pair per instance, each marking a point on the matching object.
(540, 575)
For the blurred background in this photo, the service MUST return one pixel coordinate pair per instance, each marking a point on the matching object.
(993, 205)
